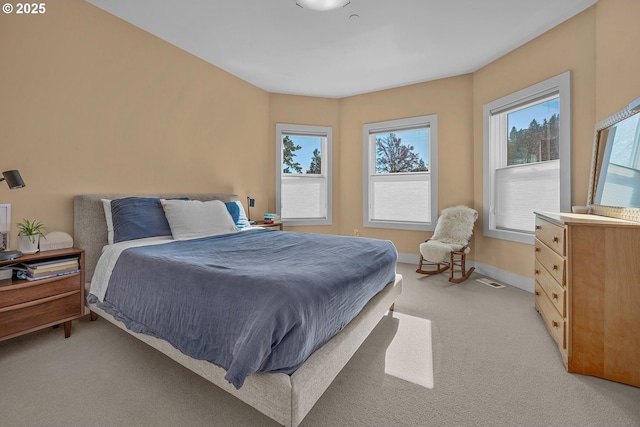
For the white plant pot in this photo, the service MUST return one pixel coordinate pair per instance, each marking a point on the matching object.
(26, 246)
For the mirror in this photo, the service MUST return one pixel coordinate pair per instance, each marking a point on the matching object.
(614, 187)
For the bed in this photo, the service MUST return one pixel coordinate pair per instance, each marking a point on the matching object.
(285, 396)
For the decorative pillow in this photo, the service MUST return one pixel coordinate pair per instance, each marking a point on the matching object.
(190, 219)
(137, 218)
(236, 210)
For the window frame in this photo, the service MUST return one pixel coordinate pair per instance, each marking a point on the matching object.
(560, 84)
(369, 156)
(325, 132)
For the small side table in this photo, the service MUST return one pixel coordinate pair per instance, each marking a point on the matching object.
(30, 305)
(275, 224)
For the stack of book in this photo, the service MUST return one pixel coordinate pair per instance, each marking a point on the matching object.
(269, 218)
(51, 268)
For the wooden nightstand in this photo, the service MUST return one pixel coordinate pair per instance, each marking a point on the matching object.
(275, 224)
(27, 306)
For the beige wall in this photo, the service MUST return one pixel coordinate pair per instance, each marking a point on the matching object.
(450, 99)
(569, 46)
(305, 110)
(92, 104)
(618, 55)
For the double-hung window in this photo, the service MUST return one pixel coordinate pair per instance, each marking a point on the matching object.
(400, 173)
(527, 144)
(303, 175)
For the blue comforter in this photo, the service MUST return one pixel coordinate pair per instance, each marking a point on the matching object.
(252, 301)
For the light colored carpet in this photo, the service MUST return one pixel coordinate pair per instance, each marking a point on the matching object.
(452, 355)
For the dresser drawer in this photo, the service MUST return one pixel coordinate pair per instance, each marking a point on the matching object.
(50, 310)
(552, 288)
(30, 291)
(552, 235)
(554, 322)
(551, 261)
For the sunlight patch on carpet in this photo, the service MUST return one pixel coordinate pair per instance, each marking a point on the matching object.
(410, 354)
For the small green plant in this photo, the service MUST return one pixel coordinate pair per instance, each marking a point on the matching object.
(31, 229)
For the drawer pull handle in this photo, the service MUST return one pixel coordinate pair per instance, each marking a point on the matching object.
(537, 249)
(537, 271)
(554, 324)
(537, 293)
(554, 295)
(555, 267)
(556, 239)
(538, 227)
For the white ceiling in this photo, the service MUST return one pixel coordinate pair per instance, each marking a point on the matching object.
(282, 48)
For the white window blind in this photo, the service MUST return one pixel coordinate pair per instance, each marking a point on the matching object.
(402, 198)
(303, 197)
(521, 190)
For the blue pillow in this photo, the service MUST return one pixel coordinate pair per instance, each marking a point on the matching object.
(236, 210)
(137, 218)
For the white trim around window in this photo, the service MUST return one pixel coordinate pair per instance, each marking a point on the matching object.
(304, 198)
(529, 186)
(402, 199)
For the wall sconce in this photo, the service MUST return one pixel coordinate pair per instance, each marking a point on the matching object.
(250, 203)
(14, 181)
(13, 178)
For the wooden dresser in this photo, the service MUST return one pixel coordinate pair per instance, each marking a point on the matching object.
(587, 290)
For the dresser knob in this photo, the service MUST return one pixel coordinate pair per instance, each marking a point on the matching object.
(556, 239)
(537, 293)
(537, 271)
(554, 295)
(554, 324)
(555, 267)
(538, 227)
(537, 249)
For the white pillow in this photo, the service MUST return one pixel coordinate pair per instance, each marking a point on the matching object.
(106, 204)
(190, 219)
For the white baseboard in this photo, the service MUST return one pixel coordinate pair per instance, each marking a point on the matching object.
(506, 277)
(408, 258)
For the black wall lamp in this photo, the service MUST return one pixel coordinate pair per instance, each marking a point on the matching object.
(14, 181)
(250, 203)
(13, 178)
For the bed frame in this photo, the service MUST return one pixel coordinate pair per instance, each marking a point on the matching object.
(286, 399)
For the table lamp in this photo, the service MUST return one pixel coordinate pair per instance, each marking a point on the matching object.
(250, 203)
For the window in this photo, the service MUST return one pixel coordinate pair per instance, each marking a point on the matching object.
(527, 144)
(400, 173)
(303, 178)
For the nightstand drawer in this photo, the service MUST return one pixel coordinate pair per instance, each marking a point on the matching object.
(37, 289)
(46, 311)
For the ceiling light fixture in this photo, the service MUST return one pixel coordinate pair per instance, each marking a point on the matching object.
(322, 5)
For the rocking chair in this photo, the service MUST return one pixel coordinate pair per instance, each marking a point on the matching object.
(447, 249)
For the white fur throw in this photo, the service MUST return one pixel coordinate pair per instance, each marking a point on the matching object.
(452, 233)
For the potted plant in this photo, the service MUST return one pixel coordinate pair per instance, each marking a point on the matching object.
(29, 233)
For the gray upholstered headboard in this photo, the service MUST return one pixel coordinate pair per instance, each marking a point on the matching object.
(90, 225)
